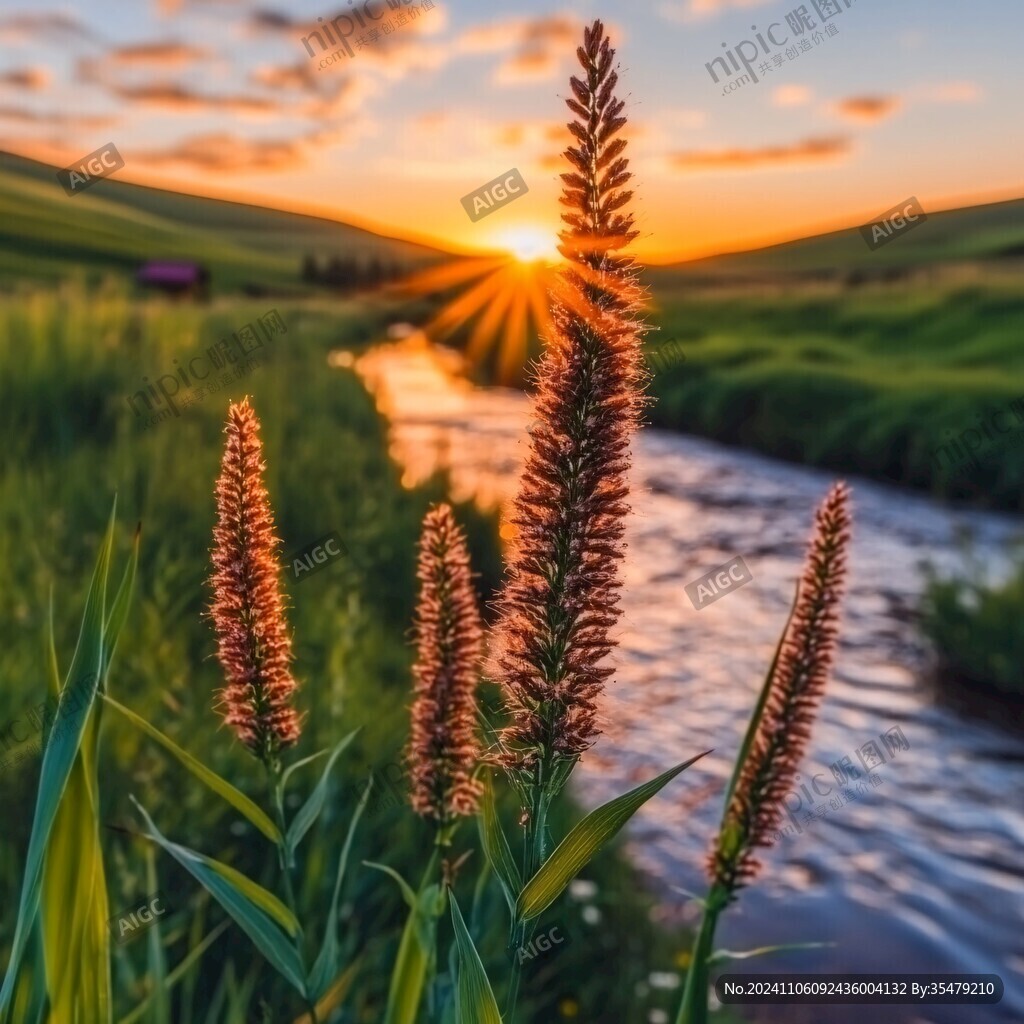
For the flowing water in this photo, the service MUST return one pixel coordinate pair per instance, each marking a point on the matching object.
(922, 870)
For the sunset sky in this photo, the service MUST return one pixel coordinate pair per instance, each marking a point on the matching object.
(220, 97)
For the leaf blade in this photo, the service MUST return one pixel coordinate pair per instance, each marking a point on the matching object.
(265, 935)
(475, 996)
(497, 850)
(310, 810)
(248, 808)
(584, 840)
(327, 961)
(59, 756)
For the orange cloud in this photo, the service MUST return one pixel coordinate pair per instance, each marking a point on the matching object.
(26, 78)
(23, 28)
(868, 108)
(791, 95)
(395, 53)
(813, 150)
(292, 76)
(227, 152)
(55, 118)
(159, 55)
(539, 46)
(518, 134)
(179, 99)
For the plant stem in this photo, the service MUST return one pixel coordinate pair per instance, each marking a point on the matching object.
(694, 1007)
(286, 858)
(534, 855)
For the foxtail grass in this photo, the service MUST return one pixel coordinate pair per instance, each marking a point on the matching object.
(777, 735)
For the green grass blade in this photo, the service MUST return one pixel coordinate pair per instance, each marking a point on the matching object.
(335, 994)
(585, 839)
(122, 604)
(328, 959)
(59, 758)
(301, 764)
(407, 892)
(251, 906)
(30, 999)
(156, 958)
(219, 785)
(724, 955)
(475, 996)
(74, 908)
(416, 948)
(407, 976)
(497, 849)
(310, 810)
(52, 665)
(179, 972)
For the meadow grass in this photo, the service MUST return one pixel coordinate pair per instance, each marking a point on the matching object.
(68, 361)
(973, 624)
(872, 380)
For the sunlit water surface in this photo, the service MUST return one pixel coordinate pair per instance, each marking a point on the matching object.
(923, 872)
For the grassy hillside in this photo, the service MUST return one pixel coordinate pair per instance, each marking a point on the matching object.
(991, 233)
(46, 236)
(915, 383)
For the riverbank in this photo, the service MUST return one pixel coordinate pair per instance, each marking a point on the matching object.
(916, 380)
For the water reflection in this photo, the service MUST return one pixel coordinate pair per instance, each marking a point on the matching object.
(923, 872)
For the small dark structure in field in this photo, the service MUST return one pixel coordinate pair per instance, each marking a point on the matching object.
(182, 279)
(350, 273)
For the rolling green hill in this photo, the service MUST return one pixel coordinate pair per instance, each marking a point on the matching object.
(45, 235)
(990, 233)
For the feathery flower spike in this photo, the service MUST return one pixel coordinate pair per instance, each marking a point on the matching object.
(559, 603)
(443, 749)
(253, 644)
(796, 688)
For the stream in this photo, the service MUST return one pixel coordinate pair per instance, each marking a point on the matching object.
(919, 871)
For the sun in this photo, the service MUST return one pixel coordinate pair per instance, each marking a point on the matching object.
(508, 293)
(528, 244)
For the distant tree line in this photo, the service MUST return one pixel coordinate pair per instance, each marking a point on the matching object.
(348, 273)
